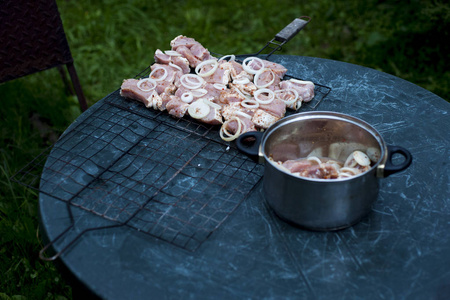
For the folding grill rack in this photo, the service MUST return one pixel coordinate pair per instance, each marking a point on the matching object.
(173, 179)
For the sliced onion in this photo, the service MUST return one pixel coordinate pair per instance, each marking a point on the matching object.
(257, 93)
(172, 53)
(175, 66)
(220, 87)
(314, 158)
(249, 60)
(197, 93)
(198, 109)
(187, 97)
(152, 87)
(162, 76)
(187, 81)
(243, 114)
(240, 92)
(287, 102)
(354, 171)
(344, 175)
(250, 103)
(255, 80)
(212, 104)
(231, 56)
(242, 80)
(199, 67)
(230, 136)
(155, 103)
(301, 81)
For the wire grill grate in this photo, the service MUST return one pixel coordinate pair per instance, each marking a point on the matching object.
(171, 183)
(173, 179)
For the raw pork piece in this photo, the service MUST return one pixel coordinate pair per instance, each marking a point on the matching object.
(278, 69)
(181, 62)
(267, 79)
(192, 50)
(277, 108)
(263, 119)
(165, 87)
(176, 107)
(230, 110)
(182, 41)
(311, 169)
(246, 125)
(236, 69)
(164, 99)
(229, 96)
(213, 118)
(220, 76)
(172, 73)
(129, 89)
(186, 53)
(305, 89)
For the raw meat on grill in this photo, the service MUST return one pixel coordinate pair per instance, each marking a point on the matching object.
(175, 60)
(162, 72)
(188, 81)
(176, 107)
(229, 96)
(356, 163)
(192, 50)
(311, 169)
(305, 89)
(138, 90)
(220, 76)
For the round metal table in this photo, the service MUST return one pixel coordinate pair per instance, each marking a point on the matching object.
(399, 251)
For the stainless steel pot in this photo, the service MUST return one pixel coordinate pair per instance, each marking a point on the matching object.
(321, 204)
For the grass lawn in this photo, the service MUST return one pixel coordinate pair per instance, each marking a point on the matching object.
(111, 40)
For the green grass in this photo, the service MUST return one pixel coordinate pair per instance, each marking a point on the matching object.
(112, 40)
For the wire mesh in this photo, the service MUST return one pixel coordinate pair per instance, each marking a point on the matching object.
(173, 179)
(173, 183)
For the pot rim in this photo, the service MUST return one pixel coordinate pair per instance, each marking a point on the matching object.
(326, 115)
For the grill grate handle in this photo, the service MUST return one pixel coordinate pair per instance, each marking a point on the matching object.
(292, 29)
(286, 34)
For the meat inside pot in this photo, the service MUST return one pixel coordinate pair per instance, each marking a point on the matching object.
(326, 168)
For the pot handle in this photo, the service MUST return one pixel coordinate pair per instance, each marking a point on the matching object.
(250, 148)
(391, 168)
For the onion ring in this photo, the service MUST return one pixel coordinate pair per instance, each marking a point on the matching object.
(243, 114)
(315, 159)
(259, 92)
(162, 77)
(246, 62)
(197, 93)
(198, 109)
(255, 80)
(152, 81)
(245, 103)
(287, 102)
(175, 66)
(242, 80)
(349, 170)
(231, 56)
(189, 84)
(212, 104)
(223, 130)
(240, 92)
(187, 97)
(220, 87)
(172, 53)
(199, 67)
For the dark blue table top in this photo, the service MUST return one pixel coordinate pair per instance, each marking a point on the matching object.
(401, 250)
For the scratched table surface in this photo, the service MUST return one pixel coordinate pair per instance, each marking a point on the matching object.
(401, 250)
